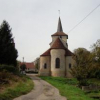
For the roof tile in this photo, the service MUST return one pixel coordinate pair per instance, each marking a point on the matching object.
(59, 34)
(28, 65)
(68, 53)
(58, 44)
(46, 53)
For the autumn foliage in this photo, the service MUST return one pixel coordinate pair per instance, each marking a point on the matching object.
(87, 64)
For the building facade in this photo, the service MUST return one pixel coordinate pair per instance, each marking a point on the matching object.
(58, 59)
(30, 67)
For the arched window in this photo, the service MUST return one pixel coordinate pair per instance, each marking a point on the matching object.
(69, 65)
(57, 63)
(45, 66)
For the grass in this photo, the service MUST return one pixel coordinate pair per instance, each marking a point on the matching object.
(17, 86)
(95, 81)
(67, 88)
(94, 94)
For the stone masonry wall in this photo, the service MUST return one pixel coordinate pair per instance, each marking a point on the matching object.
(44, 71)
(69, 60)
(57, 53)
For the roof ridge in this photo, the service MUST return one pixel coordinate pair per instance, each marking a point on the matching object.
(62, 42)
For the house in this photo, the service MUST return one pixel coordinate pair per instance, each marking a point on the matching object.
(29, 67)
(58, 59)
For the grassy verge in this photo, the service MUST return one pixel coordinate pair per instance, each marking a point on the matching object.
(94, 81)
(96, 93)
(67, 88)
(17, 86)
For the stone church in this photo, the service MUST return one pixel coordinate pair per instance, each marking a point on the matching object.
(58, 59)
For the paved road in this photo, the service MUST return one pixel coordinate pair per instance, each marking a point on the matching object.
(42, 91)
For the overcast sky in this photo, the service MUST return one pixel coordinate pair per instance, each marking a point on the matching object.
(34, 21)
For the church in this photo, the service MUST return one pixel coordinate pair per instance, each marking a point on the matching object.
(58, 59)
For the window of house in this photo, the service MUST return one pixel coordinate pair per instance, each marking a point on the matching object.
(69, 65)
(45, 66)
(57, 63)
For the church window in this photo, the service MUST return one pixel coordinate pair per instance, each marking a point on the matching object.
(69, 65)
(57, 63)
(45, 66)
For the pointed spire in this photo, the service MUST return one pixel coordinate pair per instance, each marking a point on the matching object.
(59, 26)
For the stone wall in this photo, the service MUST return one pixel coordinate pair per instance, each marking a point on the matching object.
(57, 53)
(69, 60)
(63, 38)
(44, 71)
(53, 40)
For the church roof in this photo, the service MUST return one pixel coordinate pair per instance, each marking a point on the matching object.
(59, 26)
(58, 44)
(59, 34)
(46, 53)
(68, 53)
(59, 30)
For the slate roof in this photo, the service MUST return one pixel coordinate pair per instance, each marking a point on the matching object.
(59, 29)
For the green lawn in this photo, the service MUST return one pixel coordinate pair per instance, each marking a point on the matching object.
(18, 86)
(67, 88)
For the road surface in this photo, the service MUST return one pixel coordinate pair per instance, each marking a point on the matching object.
(42, 91)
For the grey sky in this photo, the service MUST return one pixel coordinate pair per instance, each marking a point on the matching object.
(34, 21)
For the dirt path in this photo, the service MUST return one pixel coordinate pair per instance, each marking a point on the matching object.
(42, 91)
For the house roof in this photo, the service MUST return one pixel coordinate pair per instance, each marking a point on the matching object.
(28, 65)
(46, 53)
(58, 44)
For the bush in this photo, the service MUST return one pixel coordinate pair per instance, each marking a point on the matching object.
(23, 67)
(4, 77)
(9, 68)
(97, 75)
